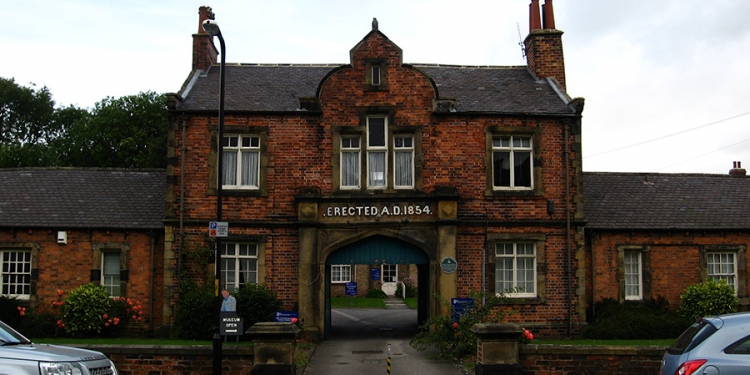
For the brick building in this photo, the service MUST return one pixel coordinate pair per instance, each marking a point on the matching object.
(62, 228)
(468, 176)
(650, 235)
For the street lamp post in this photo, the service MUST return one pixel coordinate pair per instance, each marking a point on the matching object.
(212, 28)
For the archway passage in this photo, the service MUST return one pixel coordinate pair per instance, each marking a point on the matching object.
(381, 250)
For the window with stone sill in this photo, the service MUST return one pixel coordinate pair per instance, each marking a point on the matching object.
(376, 78)
(341, 273)
(110, 267)
(633, 275)
(376, 156)
(16, 273)
(725, 262)
(244, 161)
(239, 265)
(111, 272)
(510, 162)
(516, 267)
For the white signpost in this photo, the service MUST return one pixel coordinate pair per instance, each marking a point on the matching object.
(218, 229)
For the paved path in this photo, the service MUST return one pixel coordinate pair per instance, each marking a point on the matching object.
(359, 344)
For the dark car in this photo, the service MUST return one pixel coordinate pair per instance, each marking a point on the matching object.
(711, 346)
(19, 356)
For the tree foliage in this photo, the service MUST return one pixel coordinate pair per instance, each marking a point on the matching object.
(126, 132)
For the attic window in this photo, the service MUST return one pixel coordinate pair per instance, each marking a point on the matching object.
(375, 75)
(376, 78)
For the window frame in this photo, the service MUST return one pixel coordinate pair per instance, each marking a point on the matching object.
(392, 133)
(403, 150)
(29, 275)
(645, 271)
(537, 183)
(237, 271)
(240, 150)
(111, 287)
(515, 270)
(513, 152)
(341, 279)
(213, 164)
(376, 149)
(371, 66)
(740, 270)
(638, 275)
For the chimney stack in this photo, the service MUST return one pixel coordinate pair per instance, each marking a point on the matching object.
(544, 52)
(204, 51)
(737, 170)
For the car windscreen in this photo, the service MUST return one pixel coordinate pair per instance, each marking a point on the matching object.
(692, 337)
(10, 336)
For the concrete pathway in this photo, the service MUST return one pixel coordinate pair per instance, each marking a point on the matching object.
(360, 340)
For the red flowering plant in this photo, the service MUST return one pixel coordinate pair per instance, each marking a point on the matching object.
(90, 311)
(527, 336)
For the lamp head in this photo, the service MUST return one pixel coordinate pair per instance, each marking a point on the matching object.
(211, 27)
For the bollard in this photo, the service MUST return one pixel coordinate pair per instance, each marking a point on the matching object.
(388, 371)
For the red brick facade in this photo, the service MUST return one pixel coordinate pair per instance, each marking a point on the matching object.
(292, 214)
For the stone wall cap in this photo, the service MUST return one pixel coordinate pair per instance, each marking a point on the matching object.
(273, 329)
(495, 328)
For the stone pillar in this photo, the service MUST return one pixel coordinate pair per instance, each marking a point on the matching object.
(273, 352)
(497, 348)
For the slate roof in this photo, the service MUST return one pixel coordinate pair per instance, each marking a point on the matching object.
(277, 88)
(654, 201)
(82, 198)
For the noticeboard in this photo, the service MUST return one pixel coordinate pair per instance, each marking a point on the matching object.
(460, 307)
(351, 289)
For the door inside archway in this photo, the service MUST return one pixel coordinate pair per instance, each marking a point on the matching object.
(386, 253)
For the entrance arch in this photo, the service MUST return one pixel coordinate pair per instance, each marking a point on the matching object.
(380, 250)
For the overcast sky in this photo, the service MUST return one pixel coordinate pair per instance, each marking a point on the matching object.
(666, 82)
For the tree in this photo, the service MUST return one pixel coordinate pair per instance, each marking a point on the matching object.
(128, 132)
(26, 121)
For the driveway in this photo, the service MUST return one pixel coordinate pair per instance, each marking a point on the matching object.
(359, 345)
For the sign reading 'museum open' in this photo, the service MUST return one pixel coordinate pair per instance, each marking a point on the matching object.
(392, 210)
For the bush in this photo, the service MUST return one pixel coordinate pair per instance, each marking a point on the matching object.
(455, 341)
(376, 293)
(40, 326)
(195, 318)
(256, 303)
(84, 311)
(707, 299)
(9, 311)
(631, 320)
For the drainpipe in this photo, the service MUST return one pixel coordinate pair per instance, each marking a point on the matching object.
(183, 151)
(568, 238)
(151, 292)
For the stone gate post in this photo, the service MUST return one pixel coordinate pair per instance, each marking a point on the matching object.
(497, 348)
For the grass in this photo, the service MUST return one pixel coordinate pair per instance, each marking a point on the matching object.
(660, 342)
(411, 302)
(128, 341)
(357, 303)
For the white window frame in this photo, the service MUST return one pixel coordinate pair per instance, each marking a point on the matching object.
(513, 149)
(235, 144)
(403, 146)
(633, 275)
(111, 281)
(238, 254)
(348, 147)
(389, 271)
(724, 269)
(341, 273)
(374, 149)
(515, 258)
(10, 273)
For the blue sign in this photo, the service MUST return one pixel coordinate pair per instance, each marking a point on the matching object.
(284, 316)
(460, 307)
(375, 274)
(351, 289)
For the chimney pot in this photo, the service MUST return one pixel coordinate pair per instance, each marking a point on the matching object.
(535, 22)
(737, 170)
(548, 15)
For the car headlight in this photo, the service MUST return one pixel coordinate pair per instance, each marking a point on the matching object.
(59, 368)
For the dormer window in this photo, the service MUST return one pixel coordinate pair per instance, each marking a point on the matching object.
(376, 78)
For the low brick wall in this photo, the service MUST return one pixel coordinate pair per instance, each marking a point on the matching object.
(175, 359)
(534, 359)
(590, 360)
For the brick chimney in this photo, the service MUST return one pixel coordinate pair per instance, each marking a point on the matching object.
(204, 51)
(737, 170)
(544, 52)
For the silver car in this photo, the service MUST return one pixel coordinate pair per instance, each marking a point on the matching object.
(19, 356)
(711, 346)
